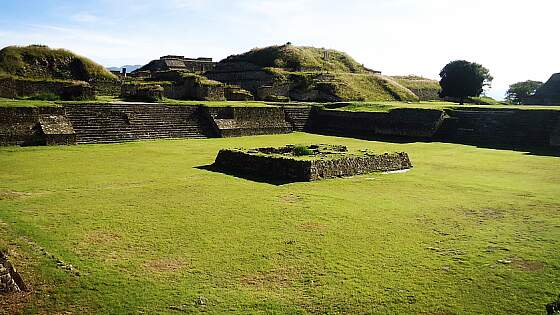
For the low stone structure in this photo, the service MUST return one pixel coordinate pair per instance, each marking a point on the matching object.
(248, 121)
(180, 63)
(143, 92)
(310, 163)
(235, 93)
(10, 279)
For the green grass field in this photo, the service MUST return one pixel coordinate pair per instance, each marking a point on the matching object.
(468, 230)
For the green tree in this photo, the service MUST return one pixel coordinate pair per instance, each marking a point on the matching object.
(521, 92)
(461, 79)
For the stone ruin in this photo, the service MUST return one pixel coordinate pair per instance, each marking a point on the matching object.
(178, 63)
(10, 280)
(548, 93)
(307, 163)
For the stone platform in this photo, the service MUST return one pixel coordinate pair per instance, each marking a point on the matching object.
(308, 163)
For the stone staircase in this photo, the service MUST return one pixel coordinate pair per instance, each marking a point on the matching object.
(110, 123)
(299, 117)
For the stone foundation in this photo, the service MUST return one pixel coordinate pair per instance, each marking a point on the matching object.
(326, 162)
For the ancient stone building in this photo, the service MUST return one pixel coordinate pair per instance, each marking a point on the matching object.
(178, 63)
(549, 93)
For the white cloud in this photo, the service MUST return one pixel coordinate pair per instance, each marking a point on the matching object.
(84, 17)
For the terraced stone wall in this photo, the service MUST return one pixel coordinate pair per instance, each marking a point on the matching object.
(422, 123)
(17, 87)
(35, 126)
(502, 126)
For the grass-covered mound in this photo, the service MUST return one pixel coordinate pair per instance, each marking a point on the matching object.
(300, 58)
(425, 89)
(307, 74)
(38, 61)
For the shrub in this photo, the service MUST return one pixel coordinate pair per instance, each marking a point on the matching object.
(302, 150)
(44, 96)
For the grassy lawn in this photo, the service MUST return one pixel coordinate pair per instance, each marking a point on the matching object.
(468, 230)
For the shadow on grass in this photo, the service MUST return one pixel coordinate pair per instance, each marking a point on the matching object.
(252, 177)
(528, 149)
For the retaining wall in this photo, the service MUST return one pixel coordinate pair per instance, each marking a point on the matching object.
(398, 122)
(248, 121)
(16, 87)
(35, 126)
(501, 126)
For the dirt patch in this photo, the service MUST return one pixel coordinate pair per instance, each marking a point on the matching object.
(10, 195)
(291, 198)
(165, 265)
(312, 227)
(485, 214)
(101, 237)
(528, 265)
(274, 279)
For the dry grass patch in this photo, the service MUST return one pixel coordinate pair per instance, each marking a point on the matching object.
(165, 265)
(10, 195)
(291, 198)
(528, 265)
(273, 279)
(312, 227)
(102, 237)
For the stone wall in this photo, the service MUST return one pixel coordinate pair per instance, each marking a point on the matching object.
(245, 75)
(68, 90)
(10, 279)
(107, 88)
(500, 126)
(398, 122)
(247, 121)
(280, 168)
(35, 126)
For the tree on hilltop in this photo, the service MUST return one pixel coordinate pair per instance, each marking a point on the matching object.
(461, 79)
(521, 92)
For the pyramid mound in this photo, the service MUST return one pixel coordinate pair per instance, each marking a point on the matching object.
(38, 61)
(549, 93)
(300, 58)
(282, 73)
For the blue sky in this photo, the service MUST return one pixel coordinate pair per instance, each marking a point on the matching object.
(516, 39)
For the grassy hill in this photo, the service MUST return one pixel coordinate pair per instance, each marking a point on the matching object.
(425, 89)
(299, 58)
(37, 61)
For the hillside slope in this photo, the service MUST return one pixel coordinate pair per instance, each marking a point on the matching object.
(37, 61)
(425, 89)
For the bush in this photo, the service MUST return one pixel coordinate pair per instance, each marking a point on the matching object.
(44, 96)
(301, 150)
